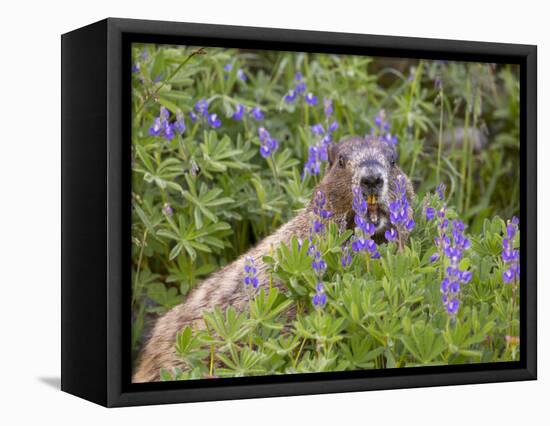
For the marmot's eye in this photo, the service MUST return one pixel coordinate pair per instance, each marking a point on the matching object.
(341, 161)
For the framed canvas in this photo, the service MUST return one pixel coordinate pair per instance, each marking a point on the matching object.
(254, 212)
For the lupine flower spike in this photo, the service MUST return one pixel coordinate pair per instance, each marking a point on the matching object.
(163, 128)
(454, 277)
(299, 89)
(452, 246)
(364, 229)
(510, 256)
(381, 129)
(400, 211)
(323, 135)
(320, 297)
(250, 279)
(239, 112)
(268, 145)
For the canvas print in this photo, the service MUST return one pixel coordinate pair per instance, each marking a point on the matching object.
(304, 213)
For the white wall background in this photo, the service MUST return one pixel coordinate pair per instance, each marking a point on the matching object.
(30, 211)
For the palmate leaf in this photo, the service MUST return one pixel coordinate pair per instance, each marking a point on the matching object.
(191, 345)
(267, 306)
(230, 327)
(218, 155)
(424, 343)
(242, 362)
(294, 259)
(361, 302)
(166, 297)
(163, 174)
(322, 328)
(190, 239)
(204, 200)
(283, 345)
(360, 352)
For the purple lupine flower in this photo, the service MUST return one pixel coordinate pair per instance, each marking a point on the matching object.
(257, 113)
(250, 279)
(179, 124)
(214, 120)
(202, 107)
(327, 106)
(301, 87)
(452, 306)
(313, 165)
(311, 99)
(319, 267)
(164, 113)
(167, 210)
(441, 191)
(192, 116)
(169, 131)
(400, 211)
(333, 126)
(430, 213)
(290, 96)
(391, 234)
(317, 129)
(161, 126)
(389, 138)
(364, 229)
(346, 258)
(241, 75)
(321, 213)
(510, 256)
(156, 128)
(318, 264)
(318, 153)
(320, 297)
(239, 112)
(268, 145)
(434, 257)
(453, 248)
(381, 129)
(298, 76)
(263, 134)
(319, 203)
(136, 68)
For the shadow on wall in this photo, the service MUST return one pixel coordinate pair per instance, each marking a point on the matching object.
(54, 382)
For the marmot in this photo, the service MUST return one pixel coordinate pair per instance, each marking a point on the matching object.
(368, 163)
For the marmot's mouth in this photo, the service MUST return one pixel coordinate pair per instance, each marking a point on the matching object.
(372, 209)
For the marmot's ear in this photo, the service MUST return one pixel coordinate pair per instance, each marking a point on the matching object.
(332, 153)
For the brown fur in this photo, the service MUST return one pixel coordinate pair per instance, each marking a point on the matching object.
(225, 288)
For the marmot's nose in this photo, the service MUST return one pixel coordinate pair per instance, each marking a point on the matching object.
(372, 181)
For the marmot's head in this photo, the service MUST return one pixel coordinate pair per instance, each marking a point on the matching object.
(366, 163)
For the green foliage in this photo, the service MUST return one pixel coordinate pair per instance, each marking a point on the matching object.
(203, 197)
(395, 320)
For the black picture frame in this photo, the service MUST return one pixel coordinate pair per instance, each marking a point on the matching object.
(96, 211)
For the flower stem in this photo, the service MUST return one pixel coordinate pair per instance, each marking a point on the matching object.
(200, 51)
(440, 139)
(140, 259)
(273, 165)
